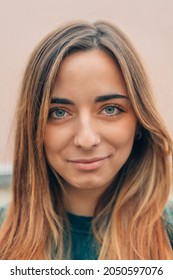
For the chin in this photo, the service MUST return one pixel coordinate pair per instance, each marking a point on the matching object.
(89, 185)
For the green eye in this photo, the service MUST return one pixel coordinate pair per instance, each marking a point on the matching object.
(111, 110)
(59, 113)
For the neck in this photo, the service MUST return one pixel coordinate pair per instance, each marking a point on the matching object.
(81, 202)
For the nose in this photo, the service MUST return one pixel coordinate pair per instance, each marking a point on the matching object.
(86, 136)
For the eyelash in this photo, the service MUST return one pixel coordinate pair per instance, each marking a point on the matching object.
(52, 110)
(115, 106)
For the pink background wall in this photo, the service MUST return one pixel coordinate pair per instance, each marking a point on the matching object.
(148, 23)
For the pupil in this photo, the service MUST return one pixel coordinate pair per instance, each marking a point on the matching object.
(110, 110)
(60, 113)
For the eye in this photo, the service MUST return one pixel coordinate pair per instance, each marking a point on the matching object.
(57, 113)
(112, 110)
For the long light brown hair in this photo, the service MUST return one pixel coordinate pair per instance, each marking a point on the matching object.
(128, 220)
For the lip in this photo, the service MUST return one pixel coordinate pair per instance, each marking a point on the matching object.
(88, 164)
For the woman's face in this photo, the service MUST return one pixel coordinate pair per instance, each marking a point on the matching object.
(91, 125)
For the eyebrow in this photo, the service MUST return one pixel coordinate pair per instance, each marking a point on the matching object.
(100, 98)
(58, 100)
(109, 97)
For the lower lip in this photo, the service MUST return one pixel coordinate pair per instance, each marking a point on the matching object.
(89, 166)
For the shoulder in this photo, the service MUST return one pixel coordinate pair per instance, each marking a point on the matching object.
(168, 220)
(3, 213)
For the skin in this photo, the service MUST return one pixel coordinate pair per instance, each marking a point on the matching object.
(88, 142)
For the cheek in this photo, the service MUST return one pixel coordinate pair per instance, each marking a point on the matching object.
(122, 134)
(55, 139)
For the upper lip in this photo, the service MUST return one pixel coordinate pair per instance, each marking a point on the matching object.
(88, 160)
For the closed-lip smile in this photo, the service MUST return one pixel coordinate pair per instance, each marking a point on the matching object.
(88, 160)
(88, 164)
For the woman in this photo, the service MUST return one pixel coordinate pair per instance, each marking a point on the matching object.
(92, 164)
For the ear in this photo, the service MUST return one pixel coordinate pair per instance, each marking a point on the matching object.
(138, 134)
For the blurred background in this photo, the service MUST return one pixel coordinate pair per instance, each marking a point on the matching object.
(148, 23)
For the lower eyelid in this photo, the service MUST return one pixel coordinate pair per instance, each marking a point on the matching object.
(114, 106)
(53, 110)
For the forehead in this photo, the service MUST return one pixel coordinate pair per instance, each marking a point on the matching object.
(93, 71)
